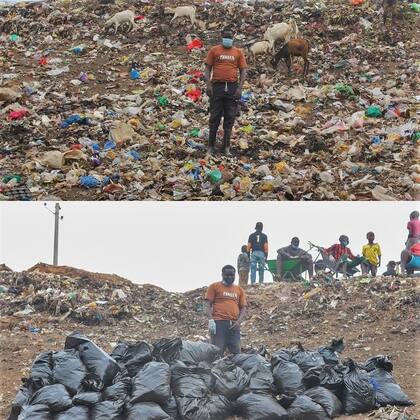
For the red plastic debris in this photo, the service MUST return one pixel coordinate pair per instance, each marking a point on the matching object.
(196, 43)
(194, 95)
(18, 115)
(43, 61)
(139, 17)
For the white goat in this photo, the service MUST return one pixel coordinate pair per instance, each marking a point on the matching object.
(283, 31)
(127, 16)
(260, 47)
(181, 11)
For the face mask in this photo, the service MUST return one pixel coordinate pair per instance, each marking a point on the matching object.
(228, 280)
(227, 42)
(344, 243)
(295, 246)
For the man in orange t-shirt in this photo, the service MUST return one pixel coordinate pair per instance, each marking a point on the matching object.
(226, 310)
(224, 61)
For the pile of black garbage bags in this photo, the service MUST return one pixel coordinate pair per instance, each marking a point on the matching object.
(175, 379)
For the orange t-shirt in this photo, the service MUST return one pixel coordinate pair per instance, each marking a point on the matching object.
(227, 301)
(225, 63)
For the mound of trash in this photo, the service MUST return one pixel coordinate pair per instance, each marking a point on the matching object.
(179, 379)
(86, 113)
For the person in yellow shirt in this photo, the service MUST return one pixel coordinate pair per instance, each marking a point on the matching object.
(372, 254)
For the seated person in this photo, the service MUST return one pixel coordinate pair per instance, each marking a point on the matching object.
(339, 254)
(293, 251)
(391, 269)
(410, 259)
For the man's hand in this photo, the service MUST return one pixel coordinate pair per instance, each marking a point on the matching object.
(212, 326)
(209, 90)
(238, 92)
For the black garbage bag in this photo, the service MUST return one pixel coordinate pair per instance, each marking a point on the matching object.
(77, 412)
(380, 361)
(195, 352)
(42, 368)
(23, 396)
(69, 370)
(35, 412)
(359, 395)
(190, 381)
(325, 398)
(171, 408)
(303, 408)
(95, 359)
(107, 410)
(146, 411)
(132, 356)
(282, 354)
(166, 350)
(259, 406)
(330, 377)
(387, 390)
(152, 383)
(92, 382)
(258, 371)
(228, 379)
(121, 390)
(288, 378)
(307, 359)
(330, 353)
(208, 408)
(87, 398)
(54, 396)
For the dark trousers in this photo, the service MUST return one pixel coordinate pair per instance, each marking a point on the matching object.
(222, 104)
(227, 337)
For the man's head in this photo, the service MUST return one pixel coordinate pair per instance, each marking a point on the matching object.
(295, 242)
(344, 240)
(259, 227)
(244, 248)
(370, 236)
(228, 275)
(227, 37)
(414, 215)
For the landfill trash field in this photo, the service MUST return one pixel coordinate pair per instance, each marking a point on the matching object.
(375, 317)
(90, 115)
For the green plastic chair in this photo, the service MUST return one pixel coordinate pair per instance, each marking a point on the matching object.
(292, 269)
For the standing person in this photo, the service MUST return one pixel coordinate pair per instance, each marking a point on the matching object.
(226, 308)
(243, 266)
(372, 253)
(258, 247)
(413, 227)
(223, 62)
(293, 251)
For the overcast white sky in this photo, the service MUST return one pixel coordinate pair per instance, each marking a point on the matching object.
(182, 246)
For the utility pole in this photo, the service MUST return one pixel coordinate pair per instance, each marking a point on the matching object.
(57, 219)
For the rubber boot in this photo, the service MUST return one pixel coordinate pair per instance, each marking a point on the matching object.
(211, 150)
(226, 142)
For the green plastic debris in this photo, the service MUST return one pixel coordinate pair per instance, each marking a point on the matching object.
(215, 176)
(341, 64)
(160, 126)
(162, 101)
(8, 178)
(344, 89)
(373, 112)
(415, 7)
(195, 132)
(416, 136)
(14, 37)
